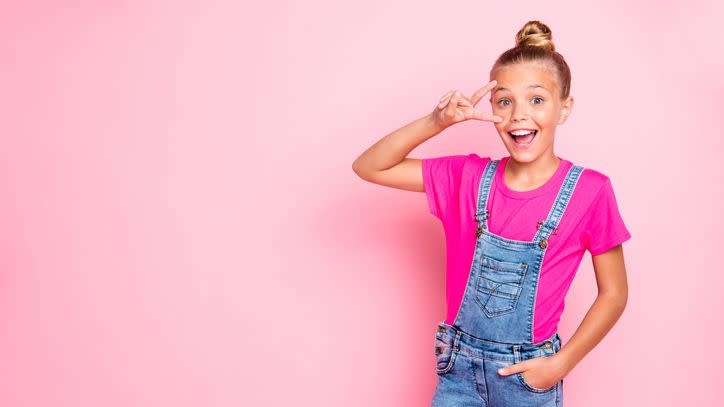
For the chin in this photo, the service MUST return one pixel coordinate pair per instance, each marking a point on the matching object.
(523, 156)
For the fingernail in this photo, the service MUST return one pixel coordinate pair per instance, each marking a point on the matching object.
(501, 370)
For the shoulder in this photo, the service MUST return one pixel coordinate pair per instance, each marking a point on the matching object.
(475, 161)
(595, 189)
(472, 157)
(592, 181)
(455, 163)
(445, 178)
(604, 226)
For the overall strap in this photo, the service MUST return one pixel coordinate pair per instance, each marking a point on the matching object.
(482, 214)
(550, 225)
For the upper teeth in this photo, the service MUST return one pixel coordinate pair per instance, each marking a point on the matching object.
(520, 132)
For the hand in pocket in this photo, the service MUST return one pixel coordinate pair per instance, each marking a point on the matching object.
(539, 373)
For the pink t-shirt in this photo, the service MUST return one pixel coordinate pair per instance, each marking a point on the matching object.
(590, 222)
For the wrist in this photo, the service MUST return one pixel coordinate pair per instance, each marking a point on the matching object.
(563, 363)
(433, 124)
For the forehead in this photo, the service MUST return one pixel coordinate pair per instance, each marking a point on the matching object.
(521, 77)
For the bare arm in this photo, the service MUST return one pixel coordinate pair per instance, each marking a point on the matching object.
(544, 372)
(386, 162)
(604, 312)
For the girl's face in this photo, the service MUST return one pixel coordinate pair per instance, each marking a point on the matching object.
(527, 97)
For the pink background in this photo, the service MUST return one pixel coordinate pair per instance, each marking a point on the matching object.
(181, 225)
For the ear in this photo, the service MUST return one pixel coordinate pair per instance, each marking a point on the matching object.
(566, 109)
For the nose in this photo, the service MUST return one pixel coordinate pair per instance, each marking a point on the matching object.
(519, 113)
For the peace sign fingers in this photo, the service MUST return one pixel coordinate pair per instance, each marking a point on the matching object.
(482, 91)
(454, 107)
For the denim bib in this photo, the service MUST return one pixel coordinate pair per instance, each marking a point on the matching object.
(493, 327)
(499, 299)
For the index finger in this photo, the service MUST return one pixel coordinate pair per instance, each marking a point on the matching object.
(482, 91)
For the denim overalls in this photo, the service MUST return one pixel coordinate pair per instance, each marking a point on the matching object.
(494, 324)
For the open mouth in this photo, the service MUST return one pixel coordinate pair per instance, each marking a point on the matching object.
(523, 138)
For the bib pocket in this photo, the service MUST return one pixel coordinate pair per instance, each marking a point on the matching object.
(498, 285)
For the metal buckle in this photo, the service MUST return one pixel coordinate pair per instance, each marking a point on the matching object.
(486, 214)
(478, 231)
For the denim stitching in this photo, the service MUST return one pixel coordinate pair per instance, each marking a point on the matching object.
(531, 388)
(477, 383)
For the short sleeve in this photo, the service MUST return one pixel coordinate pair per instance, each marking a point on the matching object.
(605, 228)
(441, 177)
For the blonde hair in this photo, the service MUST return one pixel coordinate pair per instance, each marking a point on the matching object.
(534, 43)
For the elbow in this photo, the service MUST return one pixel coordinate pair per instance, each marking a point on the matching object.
(356, 169)
(617, 299)
(620, 301)
(359, 170)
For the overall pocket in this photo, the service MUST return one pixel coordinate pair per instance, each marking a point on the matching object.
(444, 354)
(544, 353)
(498, 285)
(535, 389)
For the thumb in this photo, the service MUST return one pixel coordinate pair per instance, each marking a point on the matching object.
(477, 114)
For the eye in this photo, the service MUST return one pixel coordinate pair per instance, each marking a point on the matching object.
(502, 100)
(538, 98)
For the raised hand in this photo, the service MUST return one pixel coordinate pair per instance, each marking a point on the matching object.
(454, 107)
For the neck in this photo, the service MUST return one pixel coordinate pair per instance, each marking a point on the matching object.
(531, 173)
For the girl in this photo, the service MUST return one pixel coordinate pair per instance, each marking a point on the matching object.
(516, 229)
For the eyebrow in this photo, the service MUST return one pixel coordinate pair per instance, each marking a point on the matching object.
(531, 86)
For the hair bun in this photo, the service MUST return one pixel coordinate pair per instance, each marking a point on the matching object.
(535, 33)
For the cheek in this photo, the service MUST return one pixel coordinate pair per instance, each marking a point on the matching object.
(504, 137)
(545, 117)
(500, 127)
